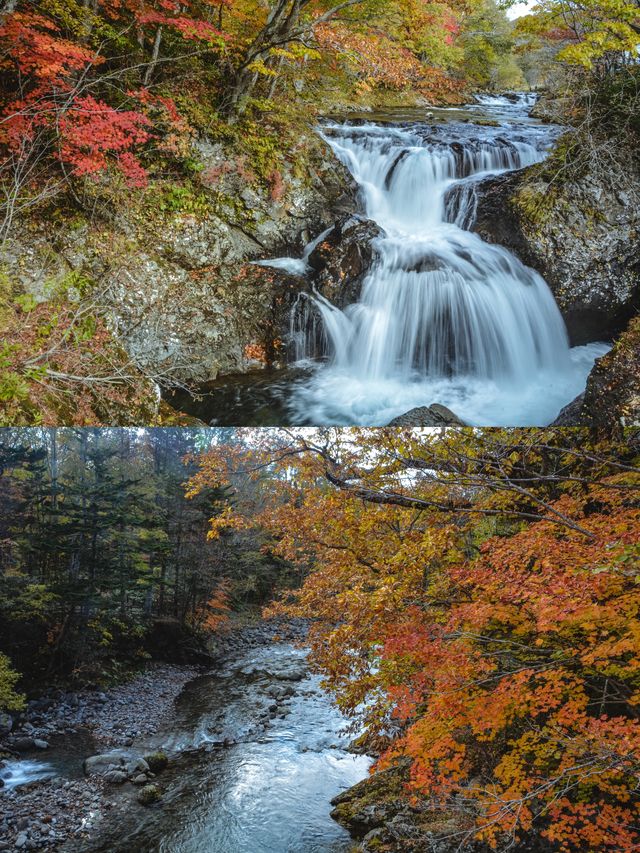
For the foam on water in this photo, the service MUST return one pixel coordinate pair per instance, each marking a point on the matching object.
(15, 773)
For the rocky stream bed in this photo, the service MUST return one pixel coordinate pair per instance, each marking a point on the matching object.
(240, 757)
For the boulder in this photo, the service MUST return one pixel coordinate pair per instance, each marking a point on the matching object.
(115, 777)
(136, 766)
(23, 744)
(341, 261)
(580, 235)
(156, 762)
(149, 794)
(372, 802)
(434, 415)
(98, 765)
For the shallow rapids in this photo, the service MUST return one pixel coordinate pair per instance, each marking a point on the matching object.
(257, 752)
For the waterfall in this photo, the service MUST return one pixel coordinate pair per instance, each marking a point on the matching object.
(439, 305)
(438, 301)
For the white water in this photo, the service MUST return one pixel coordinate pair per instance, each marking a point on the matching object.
(443, 316)
(295, 266)
(15, 773)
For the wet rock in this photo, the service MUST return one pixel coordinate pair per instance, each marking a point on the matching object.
(341, 261)
(377, 811)
(40, 744)
(149, 794)
(21, 840)
(581, 236)
(572, 414)
(140, 779)
(372, 802)
(426, 416)
(101, 764)
(156, 761)
(135, 766)
(612, 396)
(115, 777)
(23, 744)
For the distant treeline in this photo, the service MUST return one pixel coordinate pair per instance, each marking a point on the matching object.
(103, 561)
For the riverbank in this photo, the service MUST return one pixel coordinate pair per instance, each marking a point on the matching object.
(51, 740)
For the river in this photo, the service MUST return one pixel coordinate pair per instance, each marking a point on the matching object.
(257, 751)
(443, 317)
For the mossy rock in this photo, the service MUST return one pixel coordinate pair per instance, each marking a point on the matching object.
(157, 761)
(149, 795)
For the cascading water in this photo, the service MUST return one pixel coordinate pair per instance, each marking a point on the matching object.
(443, 316)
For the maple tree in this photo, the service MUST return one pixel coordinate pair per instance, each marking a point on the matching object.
(474, 603)
(80, 83)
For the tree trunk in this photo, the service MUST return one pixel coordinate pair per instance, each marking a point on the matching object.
(151, 67)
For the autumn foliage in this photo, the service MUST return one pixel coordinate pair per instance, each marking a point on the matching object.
(475, 605)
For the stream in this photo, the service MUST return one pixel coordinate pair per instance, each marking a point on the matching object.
(443, 317)
(256, 753)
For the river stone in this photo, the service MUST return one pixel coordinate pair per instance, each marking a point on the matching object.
(137, 765)
(115, 777)
(99, 764)
(23, 744)
(149, 794)
(140, 779)
(40, 744)
(21, 840)
(427, 416)
(156, 761)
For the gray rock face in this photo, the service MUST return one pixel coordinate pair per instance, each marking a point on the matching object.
(582, 237)
(178, 289)
(612, 396)
(427, 416)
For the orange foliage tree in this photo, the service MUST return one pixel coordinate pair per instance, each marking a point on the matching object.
(474, 600)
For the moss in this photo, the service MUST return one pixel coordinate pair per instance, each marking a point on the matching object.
(157, 761)
(535, 204)
(149, 795)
